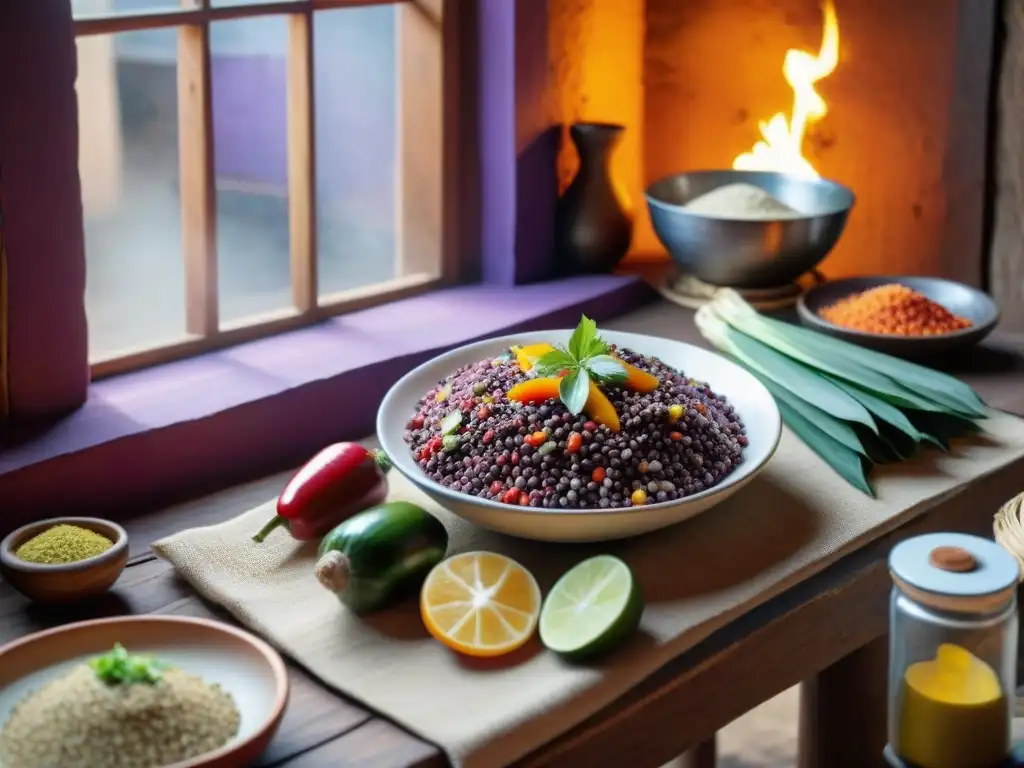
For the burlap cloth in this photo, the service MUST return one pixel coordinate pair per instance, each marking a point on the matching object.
(794, 520)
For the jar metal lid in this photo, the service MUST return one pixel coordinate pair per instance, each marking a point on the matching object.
(954, 566)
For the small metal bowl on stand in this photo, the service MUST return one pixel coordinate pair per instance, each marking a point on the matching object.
(749, 252)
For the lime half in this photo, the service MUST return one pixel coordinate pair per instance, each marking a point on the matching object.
(592, 609)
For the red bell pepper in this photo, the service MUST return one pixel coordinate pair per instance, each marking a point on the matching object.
(341, 480)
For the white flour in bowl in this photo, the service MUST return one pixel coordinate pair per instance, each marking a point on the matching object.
(740, 201)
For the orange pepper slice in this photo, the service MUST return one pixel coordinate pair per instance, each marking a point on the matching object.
(598, 406)
(530, 354)
(637, 380)
(534, 390)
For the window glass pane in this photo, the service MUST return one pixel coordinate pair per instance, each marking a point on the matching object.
(86, 8)
(249, 75)
(128, 164)
(357, 145)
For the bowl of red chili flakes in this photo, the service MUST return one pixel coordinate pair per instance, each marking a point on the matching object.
(901, 316)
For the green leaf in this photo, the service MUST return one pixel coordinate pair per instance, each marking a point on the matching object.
(554, 362)
(582, 338)
(879, 451)
(573, 390)
(942, 427)
(883, 375)
(804, 382)
(927, 400)
(598, 348)
(898, 441)
(120, 667)
(917, 379)
(850, 465)
(606, 369)
(879, 408)
(952, 404)
(840, 430)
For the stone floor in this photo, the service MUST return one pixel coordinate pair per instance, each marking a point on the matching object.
(765, 737)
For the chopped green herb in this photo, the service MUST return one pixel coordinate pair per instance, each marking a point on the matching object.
(451, 422)
(451, 443)
(118, 667)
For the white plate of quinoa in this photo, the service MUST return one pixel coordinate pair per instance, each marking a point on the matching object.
(218, 703)
(703, 433)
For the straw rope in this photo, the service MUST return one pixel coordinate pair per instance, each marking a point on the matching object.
(1009, 533)
(1009, 528)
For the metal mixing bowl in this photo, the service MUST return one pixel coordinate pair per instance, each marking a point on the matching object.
(747, 253)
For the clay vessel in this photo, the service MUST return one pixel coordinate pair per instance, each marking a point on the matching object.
(592, 226)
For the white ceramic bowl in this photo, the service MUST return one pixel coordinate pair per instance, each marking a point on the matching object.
(747, 395)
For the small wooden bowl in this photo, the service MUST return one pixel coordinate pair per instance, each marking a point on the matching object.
(64, 582)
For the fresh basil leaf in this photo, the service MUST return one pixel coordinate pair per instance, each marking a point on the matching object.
(554, 362)
(606, 369)
(582, 338)
(574, 390)
(598, 347)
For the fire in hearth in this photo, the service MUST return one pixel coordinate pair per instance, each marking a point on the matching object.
(781, 146)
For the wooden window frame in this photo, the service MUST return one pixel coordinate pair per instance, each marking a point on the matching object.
(429, 113)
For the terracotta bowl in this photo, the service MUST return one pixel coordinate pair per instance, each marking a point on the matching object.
(68, 582)
(242, 664)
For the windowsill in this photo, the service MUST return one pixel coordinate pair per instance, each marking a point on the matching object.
(178, 429)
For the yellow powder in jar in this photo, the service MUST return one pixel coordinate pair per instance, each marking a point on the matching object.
(952, 712)
(63, 544)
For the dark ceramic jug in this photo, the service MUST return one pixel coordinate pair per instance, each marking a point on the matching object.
(592, 228)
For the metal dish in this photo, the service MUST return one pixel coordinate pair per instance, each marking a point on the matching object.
(960, 299)
(747, 395)
(747, 253)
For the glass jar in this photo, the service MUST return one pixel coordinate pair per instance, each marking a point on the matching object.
(952, 652)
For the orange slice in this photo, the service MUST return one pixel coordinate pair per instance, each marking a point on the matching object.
(480, 604)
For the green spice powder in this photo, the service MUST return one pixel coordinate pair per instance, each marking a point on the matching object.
(63, 544)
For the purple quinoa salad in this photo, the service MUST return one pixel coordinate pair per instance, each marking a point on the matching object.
(541, 445)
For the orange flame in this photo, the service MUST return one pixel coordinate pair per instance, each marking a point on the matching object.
(781, 148)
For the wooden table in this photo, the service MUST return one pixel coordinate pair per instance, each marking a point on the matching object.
(827, 632)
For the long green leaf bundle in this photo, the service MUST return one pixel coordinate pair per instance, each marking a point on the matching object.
(852, 406)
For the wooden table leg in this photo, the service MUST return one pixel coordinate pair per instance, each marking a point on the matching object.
(843, 711)
(701, 756)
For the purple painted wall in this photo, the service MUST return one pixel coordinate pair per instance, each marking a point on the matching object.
(250, 124)
(519, 149)
(355, 109)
